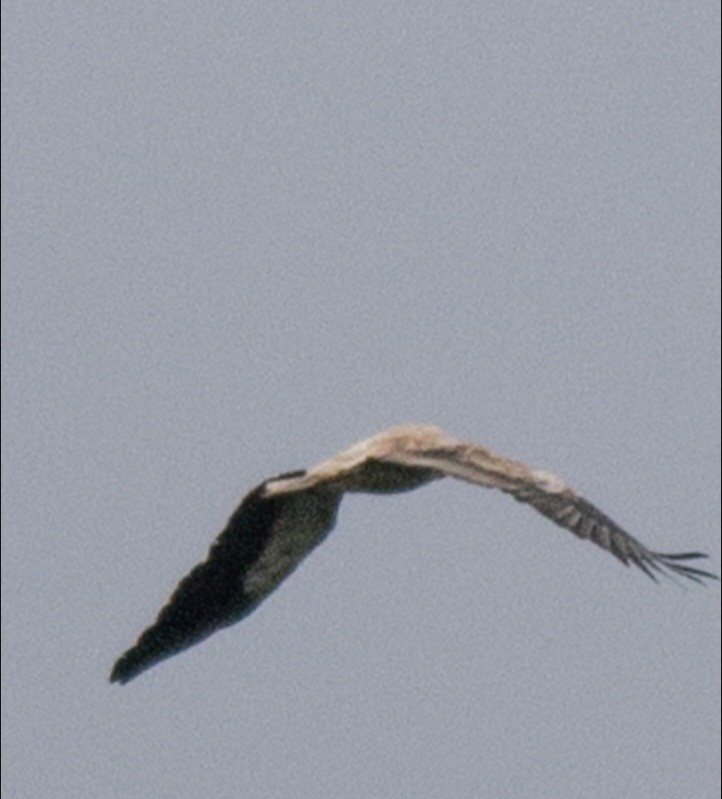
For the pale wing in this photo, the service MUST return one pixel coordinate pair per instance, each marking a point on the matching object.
(550, 496)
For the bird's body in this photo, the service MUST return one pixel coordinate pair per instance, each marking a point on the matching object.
(283, 519)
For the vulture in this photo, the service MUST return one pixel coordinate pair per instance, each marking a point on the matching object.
(284, 518)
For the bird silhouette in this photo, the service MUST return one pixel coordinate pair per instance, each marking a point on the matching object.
(284, 518)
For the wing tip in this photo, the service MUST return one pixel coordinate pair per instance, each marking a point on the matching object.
(669, 562)
(137, 659)
(126, 668)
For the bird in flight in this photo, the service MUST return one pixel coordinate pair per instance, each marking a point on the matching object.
(284, 518)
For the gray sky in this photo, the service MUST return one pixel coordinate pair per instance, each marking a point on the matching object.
(239, 237)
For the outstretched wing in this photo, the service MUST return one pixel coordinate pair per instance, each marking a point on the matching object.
(563, 506)
(548, 494)
(211, 595)
(263, 542)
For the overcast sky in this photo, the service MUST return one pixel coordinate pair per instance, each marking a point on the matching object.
(237, 238)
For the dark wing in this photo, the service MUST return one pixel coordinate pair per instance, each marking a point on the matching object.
(212, 595)
(570, 511)
(550, 496)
